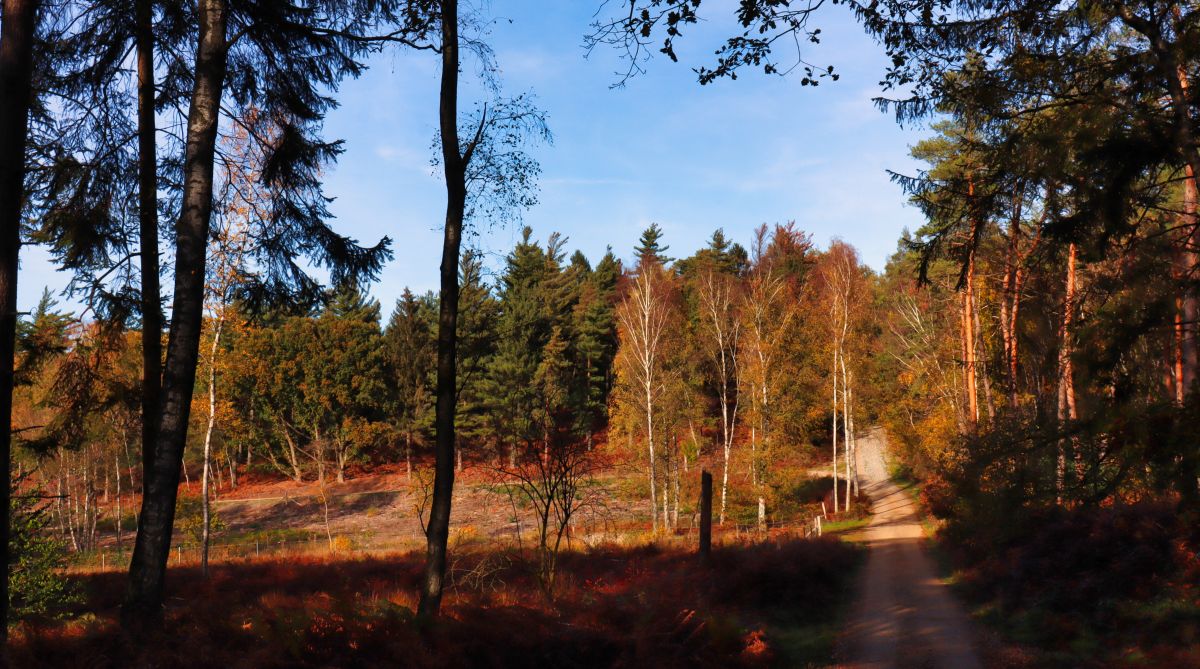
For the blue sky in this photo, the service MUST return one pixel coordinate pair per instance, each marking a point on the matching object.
(664, 149)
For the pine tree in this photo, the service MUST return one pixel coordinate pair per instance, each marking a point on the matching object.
(720, 255)
(650, 246)
(269, 65)
(596, 343)
(478, 328)
(524, 327)
(408, 342)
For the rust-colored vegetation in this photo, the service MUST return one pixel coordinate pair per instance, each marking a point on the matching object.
(759, 604)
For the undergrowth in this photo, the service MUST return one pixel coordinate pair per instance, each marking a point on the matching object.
(1113, 585)
(759, 604)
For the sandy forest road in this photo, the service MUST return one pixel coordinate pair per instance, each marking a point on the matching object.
(904, 616)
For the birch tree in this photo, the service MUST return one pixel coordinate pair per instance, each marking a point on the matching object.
(721, 325)
(243, 200)
(841, 280)
(643, 317)
(770, 307)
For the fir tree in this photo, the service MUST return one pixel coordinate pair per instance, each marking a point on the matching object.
(651, 247)
(408, 343)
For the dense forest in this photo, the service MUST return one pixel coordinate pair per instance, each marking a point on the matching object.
(741, 456)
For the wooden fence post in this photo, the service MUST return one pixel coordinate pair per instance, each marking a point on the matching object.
(705, 514)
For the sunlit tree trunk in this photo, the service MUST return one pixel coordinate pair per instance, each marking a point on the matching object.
(205, 529)
(981, 358)
(1066, 383)
(675, 509)
(833, 430)
(120, 517)
(1009, 306)
(1189, 312)
(967, 316)
(853, 435)
(970, 382)
(716, 294)
(849, 438)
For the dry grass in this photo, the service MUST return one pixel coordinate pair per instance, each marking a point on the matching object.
(617, 606)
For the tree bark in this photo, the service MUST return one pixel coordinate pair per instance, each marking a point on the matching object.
(716, 293)
(1066, 382)
(1175, 77)
(152, 324)
(848, 437)
(208, 431)
(16, 96)
(650, 444)
(1008, 306)
(147, 570)
(968, 346)
(117, 469)
(834, 429)
(981, 362)
(853, 434)
(454, 166)
(1189, 301)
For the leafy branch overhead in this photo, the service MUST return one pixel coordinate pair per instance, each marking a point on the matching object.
(501, 173)
(767, 26)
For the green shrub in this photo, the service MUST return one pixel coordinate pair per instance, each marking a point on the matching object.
(37, 586)
(189, 519)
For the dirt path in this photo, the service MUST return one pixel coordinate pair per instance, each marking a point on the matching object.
(904, 615)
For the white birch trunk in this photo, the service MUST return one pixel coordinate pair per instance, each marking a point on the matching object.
(206, 511)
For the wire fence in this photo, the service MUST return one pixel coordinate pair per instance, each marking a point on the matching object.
(183, 554)
(367, 542)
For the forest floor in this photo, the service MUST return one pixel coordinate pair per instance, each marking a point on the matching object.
(757, 603)
(622, 598)
(904, 615)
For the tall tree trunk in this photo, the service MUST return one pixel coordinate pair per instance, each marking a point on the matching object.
(853, 438)
(753, 455)
(454, 166)
(650, 445)
(675, 508)
(834, 430)
(968, 333)
(717, 298)
(120, 518)
(1190, 301)
(1182, 107)
(147, 569)
(981, 363)
(1189, 317)
(16, 72)
(293, 458)
(967, 317)
(1066, 383)
(666, 509)
(232, 467)
(1008, 306)
(152, 324)
(1175, 363)
(408, 455)
(205, 530)
(847, 435)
